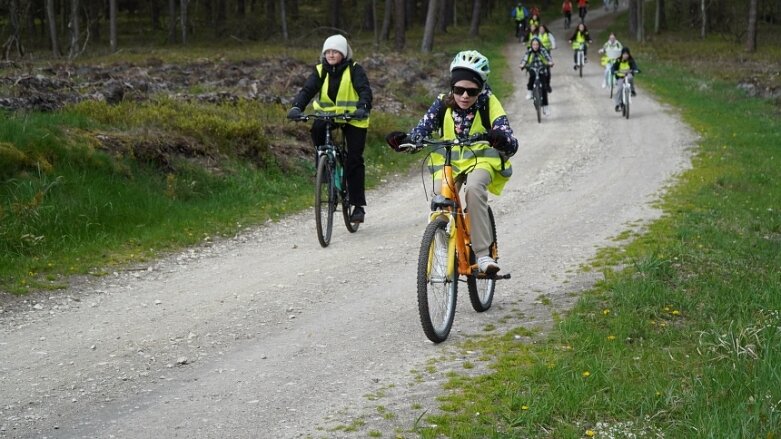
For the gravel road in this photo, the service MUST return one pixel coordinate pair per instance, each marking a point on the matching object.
(269, 335)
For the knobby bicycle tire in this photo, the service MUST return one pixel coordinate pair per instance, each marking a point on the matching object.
(538, 101)
(481, 291)
(436, 289)
(626, 103)
(325, 200)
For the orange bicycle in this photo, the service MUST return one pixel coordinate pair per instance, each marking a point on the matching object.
(446, 251)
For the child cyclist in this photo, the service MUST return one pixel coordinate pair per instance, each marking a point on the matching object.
(624, 69)
(610, 51)
(341, 86)
(470, 108)
(580, 37)
(538, 59)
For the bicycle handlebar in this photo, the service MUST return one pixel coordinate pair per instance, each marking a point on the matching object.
(325, 116)
(442, 143)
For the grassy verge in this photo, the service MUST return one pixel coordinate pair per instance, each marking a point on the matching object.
(94, 187)
(686, 341)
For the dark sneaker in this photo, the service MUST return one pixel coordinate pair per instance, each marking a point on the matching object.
(633, 93)
(618, 108)
(357, 215)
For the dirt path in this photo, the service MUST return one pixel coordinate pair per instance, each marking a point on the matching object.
(268, 335)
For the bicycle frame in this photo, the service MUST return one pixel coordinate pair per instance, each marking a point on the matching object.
(330, 183)
(448, 203)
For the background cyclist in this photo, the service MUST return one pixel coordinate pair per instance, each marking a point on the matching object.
(341, 86)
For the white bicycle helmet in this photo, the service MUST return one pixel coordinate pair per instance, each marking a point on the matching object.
(471, 60)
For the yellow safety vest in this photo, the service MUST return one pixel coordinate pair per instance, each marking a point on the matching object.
(579, 39)
(624, 65)
(545, 40)
(346, 98)
(477, 156)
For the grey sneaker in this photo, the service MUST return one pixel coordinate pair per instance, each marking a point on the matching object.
(487, 265)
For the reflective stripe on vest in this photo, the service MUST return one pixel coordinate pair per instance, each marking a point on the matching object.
(479, 155)
(346, 97)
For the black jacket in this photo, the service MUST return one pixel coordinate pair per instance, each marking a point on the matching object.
(314, 84)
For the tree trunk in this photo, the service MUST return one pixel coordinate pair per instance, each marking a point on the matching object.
(52, 19)
(112, 24)
(428, 30)
(399, 20)
(703, 18)
(14, 41)
(640, 21)
(74, 29)
(751, 36)
(172, 21)
(444, 16)
(386, 20)
(183, 19)
(633, 17)
(336, 13)
(374, 25)
(283, 19)
(241, 8)
(368, 16)
(661, 17)
(474, 28)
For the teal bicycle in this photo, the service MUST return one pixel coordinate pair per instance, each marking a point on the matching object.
(330, 182)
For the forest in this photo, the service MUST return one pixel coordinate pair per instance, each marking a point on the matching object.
(69, 28)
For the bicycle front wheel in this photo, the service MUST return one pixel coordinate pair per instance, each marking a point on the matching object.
(625, 111)
(325, 200)
(437, 282)
(481, 290)
(538, 102)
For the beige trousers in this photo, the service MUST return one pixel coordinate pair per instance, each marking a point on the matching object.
(476, 199)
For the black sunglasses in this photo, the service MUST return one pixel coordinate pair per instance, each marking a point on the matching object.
(459, 91)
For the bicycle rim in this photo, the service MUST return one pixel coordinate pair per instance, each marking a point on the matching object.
(325, 201)
(481, 290)
(437, 283)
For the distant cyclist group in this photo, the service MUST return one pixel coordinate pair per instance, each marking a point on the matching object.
(537, 60)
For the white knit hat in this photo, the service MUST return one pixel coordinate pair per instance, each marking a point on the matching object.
(338, 43)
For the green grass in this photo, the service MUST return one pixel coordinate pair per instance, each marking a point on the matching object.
(684, 342)
(168, 174)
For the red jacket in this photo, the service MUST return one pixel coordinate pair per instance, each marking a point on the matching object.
(582, 3)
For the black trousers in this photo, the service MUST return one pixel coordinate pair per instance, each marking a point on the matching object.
(354, 168)
(544, 79)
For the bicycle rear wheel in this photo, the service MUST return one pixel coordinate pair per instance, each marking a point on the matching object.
(481, 290)
(325, 200)
(347, 208)
(437, 282)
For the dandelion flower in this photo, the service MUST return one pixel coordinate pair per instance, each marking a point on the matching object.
(524, 407)
(586, 374)
(606, 311)
(611, 337)
(590, 433)
(676, 312)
